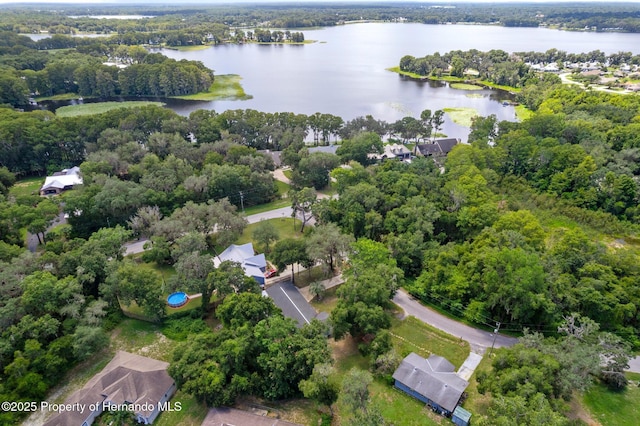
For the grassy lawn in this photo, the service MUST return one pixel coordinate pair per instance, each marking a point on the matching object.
(288, 173)
(396, 407)
(261, 208)
(283, 188)
(461, 116)
(614, 408)
(465, 86)
(60, 97)
(189, 48)
(192, 412)
(328, 303)
(26, 187)
(475, 402)
(99, 107)
(522, 112)
(226, 86)
(283, 225)
(416, 336)
(407, 73)
(306, 277)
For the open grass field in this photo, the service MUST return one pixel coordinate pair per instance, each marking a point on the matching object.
(465, 86)
(461, 116)
(396, 407)
(283, 188)
(283, 225)
(226, 86)
(412, 335)
(100, 107)
(189, 48)
(26, 187)
(615, 408)
(59, 97)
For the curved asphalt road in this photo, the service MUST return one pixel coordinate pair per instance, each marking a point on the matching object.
(478, 339)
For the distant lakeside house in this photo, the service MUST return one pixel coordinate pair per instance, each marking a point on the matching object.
(393, 151)
(135, 381)
(432, 381)
(438, 148)
(61, 181)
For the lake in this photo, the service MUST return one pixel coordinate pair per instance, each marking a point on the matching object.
(344, 72)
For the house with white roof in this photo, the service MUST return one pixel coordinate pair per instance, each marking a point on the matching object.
(61, 181)
(254, 265)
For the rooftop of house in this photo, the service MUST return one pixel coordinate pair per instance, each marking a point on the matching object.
(62, 179)
(439, 146)
(434, 378)
(253, 264)
(223, 416)
(127, 378)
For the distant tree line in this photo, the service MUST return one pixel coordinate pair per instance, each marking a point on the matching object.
(602, 17)
(500, 67)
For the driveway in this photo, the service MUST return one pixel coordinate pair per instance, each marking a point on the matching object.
(478, 339)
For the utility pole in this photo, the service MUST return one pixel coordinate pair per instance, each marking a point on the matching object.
(242, 200)
(495, 335)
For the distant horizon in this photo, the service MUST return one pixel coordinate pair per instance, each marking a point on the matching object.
(291, 2)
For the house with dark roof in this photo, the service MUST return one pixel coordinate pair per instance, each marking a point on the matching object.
(223, 416)
(254, 265)
(61, 181)
(137, 383)
(432, 381)
(439, 147)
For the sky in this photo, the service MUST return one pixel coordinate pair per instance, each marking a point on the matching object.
(160, 2)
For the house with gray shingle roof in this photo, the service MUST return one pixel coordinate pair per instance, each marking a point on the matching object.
(135, 381)
(432, 381)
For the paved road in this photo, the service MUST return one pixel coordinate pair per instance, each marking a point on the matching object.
(271, 214)
(478, 339)
(32, 239)
(634, 365)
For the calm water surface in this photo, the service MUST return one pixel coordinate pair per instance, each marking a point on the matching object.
(344, 72)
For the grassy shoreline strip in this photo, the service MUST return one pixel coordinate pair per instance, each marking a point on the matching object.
(224, 87)
(461, 116)
(454, 79)
(100, 107)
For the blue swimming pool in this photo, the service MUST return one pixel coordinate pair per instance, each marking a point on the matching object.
(175, 300)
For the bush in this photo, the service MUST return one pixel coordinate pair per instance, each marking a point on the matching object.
(179, 329)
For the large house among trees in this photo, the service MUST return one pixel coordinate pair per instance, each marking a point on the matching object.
(61, 181)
